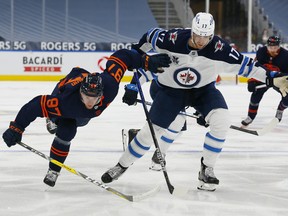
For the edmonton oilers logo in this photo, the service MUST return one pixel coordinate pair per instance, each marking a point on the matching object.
(187, 77)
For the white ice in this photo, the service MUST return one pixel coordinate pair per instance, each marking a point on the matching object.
(252, 169)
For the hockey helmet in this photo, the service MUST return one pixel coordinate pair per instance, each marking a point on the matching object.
(92, 85)
(273, 41)
(203, 24)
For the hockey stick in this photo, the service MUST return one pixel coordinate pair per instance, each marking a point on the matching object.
(130, 198)
(159, 155)
(181, 112)
(266, 129)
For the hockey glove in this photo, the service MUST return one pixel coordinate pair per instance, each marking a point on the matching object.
(154, 63)
(253, 86)
(13, 134)
(201, 120)
(130, 95)
(278, 80)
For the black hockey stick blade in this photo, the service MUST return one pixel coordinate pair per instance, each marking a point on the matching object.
(254, 132)
(268, 128)
(131, 198)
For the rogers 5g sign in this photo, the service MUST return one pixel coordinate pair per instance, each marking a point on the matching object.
(61, 46)
(68, 46)
(15, 45)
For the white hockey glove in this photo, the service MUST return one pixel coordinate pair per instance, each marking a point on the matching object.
(279, 81)
(282, 84)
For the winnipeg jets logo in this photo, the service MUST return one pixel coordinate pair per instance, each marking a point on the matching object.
(187, 77)
(173, 37)
(218, 46)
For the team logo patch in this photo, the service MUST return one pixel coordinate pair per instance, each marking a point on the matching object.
(175, 60)
(187, 77)
(218, 46)
(173, 37)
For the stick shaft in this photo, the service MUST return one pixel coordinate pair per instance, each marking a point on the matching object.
(70, 169)
(159, 155)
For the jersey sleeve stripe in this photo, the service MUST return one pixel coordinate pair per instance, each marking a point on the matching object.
(150, 34)
(242, 69)
(251, 65)
(43, 106)
(154, 39)
(119, 61)
(144, 74)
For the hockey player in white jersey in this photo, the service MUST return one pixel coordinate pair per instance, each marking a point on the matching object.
(198, 56)
(168, 135)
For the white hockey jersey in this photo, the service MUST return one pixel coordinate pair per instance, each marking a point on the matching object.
(192, 68)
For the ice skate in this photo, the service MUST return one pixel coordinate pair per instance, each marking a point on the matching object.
(155, 164)
(51, 177)
(51, 126)
(246, 122)
(207, 179)
(113, 173)
(128, 136)
(279, 115)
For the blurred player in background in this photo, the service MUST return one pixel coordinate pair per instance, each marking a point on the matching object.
(275, 58)
(76, 99)
(197, 58)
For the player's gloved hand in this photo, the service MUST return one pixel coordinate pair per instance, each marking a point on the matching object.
(154, 63)
(13, 134)
(130, 95)
(200, 119)
(278, 80)
(253, 86)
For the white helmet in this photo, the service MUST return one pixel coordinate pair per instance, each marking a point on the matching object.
(203, 24)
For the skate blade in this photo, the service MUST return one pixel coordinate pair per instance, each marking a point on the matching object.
(124, 139)
(206, 187)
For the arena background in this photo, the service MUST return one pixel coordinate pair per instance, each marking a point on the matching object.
(42, 40)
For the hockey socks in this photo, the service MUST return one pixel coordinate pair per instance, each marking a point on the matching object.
(59, 151)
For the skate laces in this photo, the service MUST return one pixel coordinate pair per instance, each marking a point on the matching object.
(279, 115)
(52, 175)
(116, 171)
(209, 171)
(155, 158)
(51, 125)
(248, 120)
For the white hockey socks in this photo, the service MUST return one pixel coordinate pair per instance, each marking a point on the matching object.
(139, 145)
(219, 121)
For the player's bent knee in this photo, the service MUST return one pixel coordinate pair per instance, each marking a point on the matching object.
(144, 135)
(219, 121)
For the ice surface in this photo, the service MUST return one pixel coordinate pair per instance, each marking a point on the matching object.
(252, 169)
